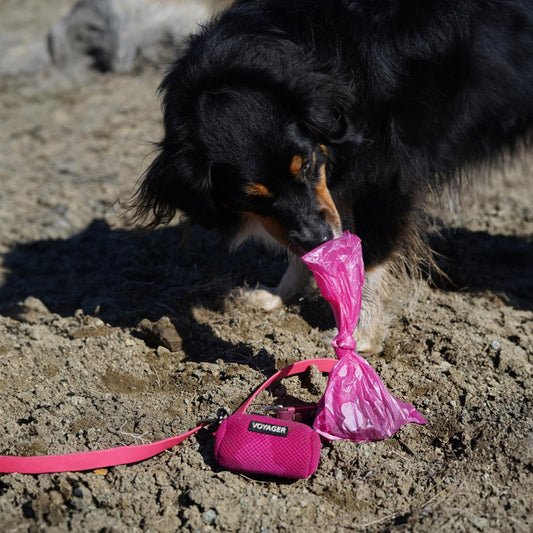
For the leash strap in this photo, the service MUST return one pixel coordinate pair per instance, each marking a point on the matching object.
(323, 365)
(74, 462)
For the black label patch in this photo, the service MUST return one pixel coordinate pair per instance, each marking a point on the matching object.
(268, 429)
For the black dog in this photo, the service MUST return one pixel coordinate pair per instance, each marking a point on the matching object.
(297, 119)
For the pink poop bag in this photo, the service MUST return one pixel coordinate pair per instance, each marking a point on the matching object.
(356, 404)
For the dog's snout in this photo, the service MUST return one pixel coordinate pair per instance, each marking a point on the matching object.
(309, 239)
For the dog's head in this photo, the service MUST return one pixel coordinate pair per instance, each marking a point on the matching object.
(247, 155)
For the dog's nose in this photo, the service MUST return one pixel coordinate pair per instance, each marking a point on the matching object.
(308, 240)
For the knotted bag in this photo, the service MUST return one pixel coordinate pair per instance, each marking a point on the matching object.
(356, 404)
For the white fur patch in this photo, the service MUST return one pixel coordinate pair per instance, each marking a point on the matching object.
(251, 228)
(265, 299)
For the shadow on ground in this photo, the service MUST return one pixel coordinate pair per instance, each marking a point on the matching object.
(477, 261)
(123, 278)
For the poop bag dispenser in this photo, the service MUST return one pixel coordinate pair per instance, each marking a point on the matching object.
(356, 404)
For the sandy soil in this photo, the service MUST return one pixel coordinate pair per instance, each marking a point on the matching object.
(77, 372)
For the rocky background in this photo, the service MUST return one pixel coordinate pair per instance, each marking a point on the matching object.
(109, 337)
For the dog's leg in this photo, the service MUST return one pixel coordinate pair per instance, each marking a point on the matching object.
(373, 323)
(294, 281)
(374, 320)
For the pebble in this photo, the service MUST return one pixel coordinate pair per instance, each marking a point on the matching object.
(30, 311)
(160, 333)
(381, 494)
(162, 350)
(316, 381)
(209, 517)
(35, 335)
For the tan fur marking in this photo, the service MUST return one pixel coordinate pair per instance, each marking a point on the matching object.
(324, 149)
(325, 201)
(273, 226)
(296, 165)
(257, 189)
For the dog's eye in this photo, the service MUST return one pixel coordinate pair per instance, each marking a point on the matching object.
(301, 166)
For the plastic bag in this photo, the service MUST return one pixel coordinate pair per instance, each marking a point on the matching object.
(356, 404)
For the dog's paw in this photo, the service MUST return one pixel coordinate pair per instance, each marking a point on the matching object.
(262, 298)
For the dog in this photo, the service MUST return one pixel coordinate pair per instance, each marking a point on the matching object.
(293, 121)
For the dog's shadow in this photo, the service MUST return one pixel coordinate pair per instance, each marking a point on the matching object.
(477, 262)
(123, 277)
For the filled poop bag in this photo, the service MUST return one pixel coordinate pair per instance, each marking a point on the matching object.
(356, 404)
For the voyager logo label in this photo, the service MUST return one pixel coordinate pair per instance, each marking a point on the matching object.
(268, 429)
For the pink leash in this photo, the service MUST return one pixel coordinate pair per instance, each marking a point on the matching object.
(74, 462)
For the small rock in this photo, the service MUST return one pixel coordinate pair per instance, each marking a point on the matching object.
(314, 380)
(479, 522)
(445, 366)
(35, 335)
(34, 304)
(381, 494)
(162, 350)
(31, 310)
(160, 333)
(209, 517)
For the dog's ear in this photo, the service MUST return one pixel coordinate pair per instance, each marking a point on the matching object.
(331, 127)
(174, 182)
(327, 111)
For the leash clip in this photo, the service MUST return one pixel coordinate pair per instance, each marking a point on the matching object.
(274, 408)
(221, 414)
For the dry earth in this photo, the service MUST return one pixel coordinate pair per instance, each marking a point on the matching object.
(77, 372)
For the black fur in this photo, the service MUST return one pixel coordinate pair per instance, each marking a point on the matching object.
(403, 95)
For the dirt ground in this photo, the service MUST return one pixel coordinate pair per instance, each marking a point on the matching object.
(77, 373)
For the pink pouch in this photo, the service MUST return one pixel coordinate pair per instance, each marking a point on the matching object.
(280, 446)
(265, 445)
(356, 404)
